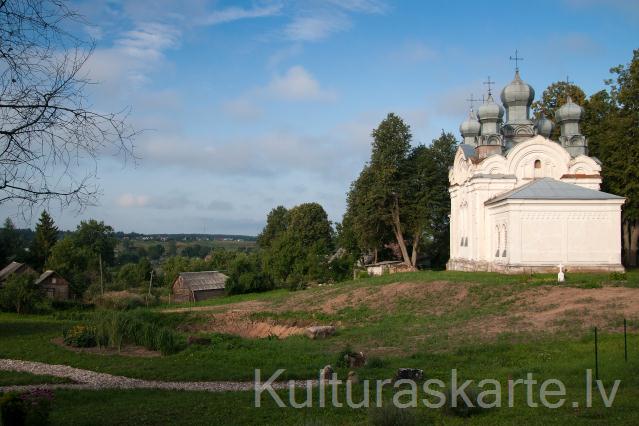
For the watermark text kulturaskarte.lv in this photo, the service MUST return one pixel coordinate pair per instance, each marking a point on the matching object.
(432, 393)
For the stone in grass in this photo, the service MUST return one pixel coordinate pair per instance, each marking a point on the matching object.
(352, 378)
(355, 359)
(326, 373)
(409, 374)
(320, 331)
(197, 340)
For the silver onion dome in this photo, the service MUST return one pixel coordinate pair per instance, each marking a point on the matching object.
(544, 127)
(490, 110)
(517, 92)
(570, 111)
(470, 126)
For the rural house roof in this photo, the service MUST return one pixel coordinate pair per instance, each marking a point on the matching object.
(551, 189)
(47, 274)
(206, 280)
(12, 268)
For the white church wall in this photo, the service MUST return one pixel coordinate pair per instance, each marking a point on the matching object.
(583, 235)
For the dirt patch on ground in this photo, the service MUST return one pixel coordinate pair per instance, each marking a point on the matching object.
(386, 298)
(126, 350)
(250, 306)
(548, 307)
(556, 309)
(239, 323)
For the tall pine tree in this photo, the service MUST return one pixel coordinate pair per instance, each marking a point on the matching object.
(46, 235)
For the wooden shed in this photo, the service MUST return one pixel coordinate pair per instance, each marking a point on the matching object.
(15, 268)
(54, 286)
(196, 286)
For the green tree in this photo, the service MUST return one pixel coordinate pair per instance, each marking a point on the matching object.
(46, 235)
(276, 224)
(10, 243)
(77, 257)
(553, 98)
(427, 217)
(20, 293)
(389, 189)
(246, 276)
(155, 251)
(299, 255)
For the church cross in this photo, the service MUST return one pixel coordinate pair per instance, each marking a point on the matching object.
(568, 82)
(489, 83)
(471, 101)
(516, 58)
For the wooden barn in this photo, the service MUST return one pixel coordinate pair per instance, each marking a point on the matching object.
(54, 286)
(196, 286)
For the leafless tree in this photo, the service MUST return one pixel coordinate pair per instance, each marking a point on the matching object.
(50, 137)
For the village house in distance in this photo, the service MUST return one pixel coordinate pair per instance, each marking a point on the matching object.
(196, 286)
(521, 202)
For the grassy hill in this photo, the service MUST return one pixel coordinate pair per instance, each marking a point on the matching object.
(484, 325)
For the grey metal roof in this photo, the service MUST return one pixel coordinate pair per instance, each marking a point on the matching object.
(551, 189)
(469, 150)
(206, 280)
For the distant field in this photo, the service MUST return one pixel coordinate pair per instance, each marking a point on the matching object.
(484, 325)
(229, 245)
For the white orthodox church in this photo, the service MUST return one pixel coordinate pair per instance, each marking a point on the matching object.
(521, 202)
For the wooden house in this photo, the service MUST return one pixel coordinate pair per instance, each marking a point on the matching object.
(196, 286)
(54, 286)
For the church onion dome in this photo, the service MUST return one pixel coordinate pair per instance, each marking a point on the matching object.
(470, 126)
(490, 111)
(544, 127)
(570, 111)
(518, 92)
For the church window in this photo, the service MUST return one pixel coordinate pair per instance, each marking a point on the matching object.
(498, 241)
(503, 254)
(537, 164)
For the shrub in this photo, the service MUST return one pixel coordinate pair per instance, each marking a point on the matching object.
(114, 328)
(461, 408)
(27, 408)
(246, 276)
(390, 415)
(119, 300)
(360, 275)
(375, 362)
(618, 276)
(80, 336)
(20, 293)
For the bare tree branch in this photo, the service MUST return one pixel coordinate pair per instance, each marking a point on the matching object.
(47, 129)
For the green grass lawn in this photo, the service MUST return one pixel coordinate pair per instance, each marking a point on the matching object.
(8, 378)
(422, 339)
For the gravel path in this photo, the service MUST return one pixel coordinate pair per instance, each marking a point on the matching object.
(91, 380)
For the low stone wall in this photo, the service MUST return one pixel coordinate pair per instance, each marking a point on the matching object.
(483, 266)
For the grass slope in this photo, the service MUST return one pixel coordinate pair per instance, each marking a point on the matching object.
(427, 330)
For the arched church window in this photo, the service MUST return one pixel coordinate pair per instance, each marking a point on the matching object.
(503, 254)
(498, 241)
(537, 169)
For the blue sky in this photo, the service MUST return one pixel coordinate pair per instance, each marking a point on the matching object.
(248, 105)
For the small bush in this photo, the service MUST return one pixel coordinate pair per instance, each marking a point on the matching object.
(618, 276)
(342, 356)
(120, 300)
(28, 408)
(461, 408)
(115, 328)
(80, 336)
(375, 362)
(390, 415)
(360, 275)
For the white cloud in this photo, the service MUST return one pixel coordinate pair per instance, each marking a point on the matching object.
(242, 109)
(415, 51)
(236, 13)
(364, 6)
(297, 84)
(314, 28)
(132, 201)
